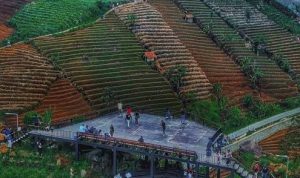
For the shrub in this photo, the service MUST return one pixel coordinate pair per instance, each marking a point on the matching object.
(234, 117)
(263, 110)
(205, 111)
(108, 96)
(252, 71)
(30, 117)
(248, 101)
(131, 19)
(78, 119)
(290, 103)
(282, 62)
(175, 76)
(47, 117)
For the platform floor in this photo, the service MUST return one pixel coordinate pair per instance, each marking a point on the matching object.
(193, 137)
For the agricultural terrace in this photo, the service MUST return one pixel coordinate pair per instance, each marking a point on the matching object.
(262, 31)
(65, 103)
(105, 63)
(218, 67)
(7, 10)
(42, 17)
(156, 35)
(277, 16)
(264, 73)
(24, 77)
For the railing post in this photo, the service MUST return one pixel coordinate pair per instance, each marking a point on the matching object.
(207, 172)
(114, 171)
(151, 166)
(197, 170)
(219, 173)
(232, 174)
(77, 147)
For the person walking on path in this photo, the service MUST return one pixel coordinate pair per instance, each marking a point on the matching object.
(120, 108)
(137, 117)
(111, 130)
(163, 125)
(128, 118)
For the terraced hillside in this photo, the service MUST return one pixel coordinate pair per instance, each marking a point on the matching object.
(24, 78)
(218, 67)
(65, 102)
(158, 36)
(273, 143)
(277, 16)
(275, 82)
(4, 31)
(7, 10)
(258, 26)
(44, 17)
(105, 57)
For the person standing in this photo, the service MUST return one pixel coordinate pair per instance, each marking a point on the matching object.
(111, 130)
(128, 110)
(137, 117)
(163, 125)
(168, 114)
(141, 139)
(120, 108)
(128, 118)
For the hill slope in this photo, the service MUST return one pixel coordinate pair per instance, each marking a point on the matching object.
(158, 36)
(105, 57)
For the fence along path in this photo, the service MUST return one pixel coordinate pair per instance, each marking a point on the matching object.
(155, 34)
(107, 55)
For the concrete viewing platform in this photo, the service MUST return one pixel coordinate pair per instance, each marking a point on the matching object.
(193, 137)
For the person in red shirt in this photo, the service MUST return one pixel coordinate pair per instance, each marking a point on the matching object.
(129, 110)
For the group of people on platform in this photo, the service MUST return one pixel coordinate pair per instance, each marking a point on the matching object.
(92, 130)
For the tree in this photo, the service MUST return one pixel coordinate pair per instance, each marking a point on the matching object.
(222, 101)
(131, 19)
(247, 15)
(47, 117)
(175, 76)
(248, 101)
(108, 96)
(252, 71)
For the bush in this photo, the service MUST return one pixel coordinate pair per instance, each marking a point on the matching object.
(248, 101)
(175, 76)
(252, 71)
(47, 117)
(291, 103)
(282, 62)
(30, 117)
(205, 111)
(234, 117)
(262, 110)
(78, 119)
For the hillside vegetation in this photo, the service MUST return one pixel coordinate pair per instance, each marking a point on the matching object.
(42, 17)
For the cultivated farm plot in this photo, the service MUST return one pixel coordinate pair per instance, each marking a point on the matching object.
(107, 56)
(9, 7)
(158, 36)
(24, 77)
(275, 82)
(42, 17)
(218, 67)
(65, 102)
(258, 26)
